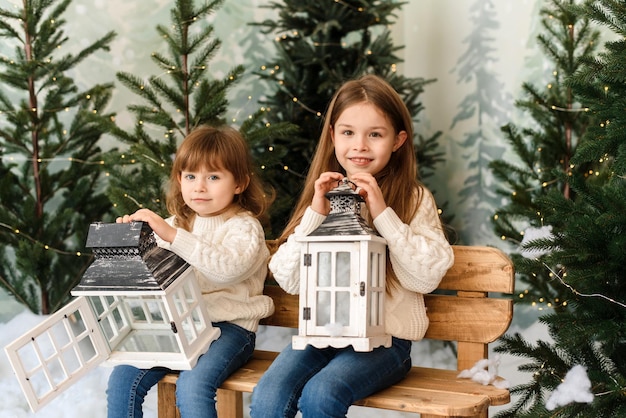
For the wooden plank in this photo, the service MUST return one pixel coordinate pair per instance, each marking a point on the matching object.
(469, 353)
(425, 378)
(285, 307)
(229, 404)
(427, 402)
(424, 390)
(454, 318)
(483, 269)
(166, 403)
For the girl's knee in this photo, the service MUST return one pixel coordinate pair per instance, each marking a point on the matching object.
(328, 398)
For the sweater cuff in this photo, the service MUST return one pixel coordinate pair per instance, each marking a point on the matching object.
(310, 221)
(388, 223)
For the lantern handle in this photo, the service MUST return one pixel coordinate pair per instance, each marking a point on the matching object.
(347, 181)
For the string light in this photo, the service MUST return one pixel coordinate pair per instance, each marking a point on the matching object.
(45, 246)
(576, 292)
(11, 158)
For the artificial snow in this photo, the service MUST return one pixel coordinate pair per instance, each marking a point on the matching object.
(485, 372)
(576, 387)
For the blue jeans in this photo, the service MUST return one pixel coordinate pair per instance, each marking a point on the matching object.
(323, 383)
(195, 389)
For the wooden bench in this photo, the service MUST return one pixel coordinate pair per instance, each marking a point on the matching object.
(462, 311)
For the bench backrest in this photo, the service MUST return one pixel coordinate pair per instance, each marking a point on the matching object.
(461, 310)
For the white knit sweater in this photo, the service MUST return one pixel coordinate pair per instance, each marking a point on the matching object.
(229, 257)
(420, 256)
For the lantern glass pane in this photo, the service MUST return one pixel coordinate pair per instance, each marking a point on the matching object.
(57, 374)
(155, 310)
(322, 315)
(28, 356)
(137, 313)
(375, 317)
(190, 329)
(44, 345)
(342, 269)
(40, 384)
(59, 333)
(185, 299)
(70, 361)
(324, 262)
(97, 305)
(82, 341)
(342, 308)
(152, 341)
(374, 269)
(111, 317)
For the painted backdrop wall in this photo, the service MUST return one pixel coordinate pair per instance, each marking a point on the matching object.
(480, 52)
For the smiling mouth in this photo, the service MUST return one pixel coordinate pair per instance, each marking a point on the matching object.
(359, 160)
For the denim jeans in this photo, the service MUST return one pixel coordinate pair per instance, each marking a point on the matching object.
(195, 389)
(323, 383)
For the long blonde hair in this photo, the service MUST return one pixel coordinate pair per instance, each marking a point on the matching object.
(216, 148)
(398, 180)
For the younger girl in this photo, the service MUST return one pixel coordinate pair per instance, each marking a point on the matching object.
(367, 137)
(214, 199)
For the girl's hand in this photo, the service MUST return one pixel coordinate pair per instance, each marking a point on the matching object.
(325, 183)
(370, 191)
(164, 230)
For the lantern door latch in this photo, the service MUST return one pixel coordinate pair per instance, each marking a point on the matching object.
(306, 313)
(173, 327)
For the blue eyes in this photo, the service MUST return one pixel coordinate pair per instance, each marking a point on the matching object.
(212, 177)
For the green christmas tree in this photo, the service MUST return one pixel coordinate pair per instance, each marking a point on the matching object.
(50, 161)
(320, 45)
(175, 102)
(556, 125)
(581, 372)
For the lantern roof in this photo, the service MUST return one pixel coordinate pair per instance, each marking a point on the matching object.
(127, 257)
(345, 213)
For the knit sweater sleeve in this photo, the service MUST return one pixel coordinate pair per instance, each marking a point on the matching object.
(285, 263)
(225, 253)
(420, 253)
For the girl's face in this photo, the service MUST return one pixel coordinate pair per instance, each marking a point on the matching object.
(364, 139)
(208, 192)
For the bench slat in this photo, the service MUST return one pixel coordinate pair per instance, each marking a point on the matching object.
(424, 390)
(427, 402)
(480, 269)
(454, 318)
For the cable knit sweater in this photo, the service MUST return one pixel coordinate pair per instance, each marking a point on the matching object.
(420, 256)
(229, 257)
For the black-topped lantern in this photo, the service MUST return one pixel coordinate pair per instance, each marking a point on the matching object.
(342, 279)
(136, 304)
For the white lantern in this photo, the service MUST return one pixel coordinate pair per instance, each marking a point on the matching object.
(342, 279)
(137, 304)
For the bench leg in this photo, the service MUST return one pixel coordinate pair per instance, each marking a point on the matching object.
(167, 400)
(229, 404)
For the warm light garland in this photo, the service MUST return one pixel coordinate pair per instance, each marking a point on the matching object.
(576, 292)
(19, 233)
